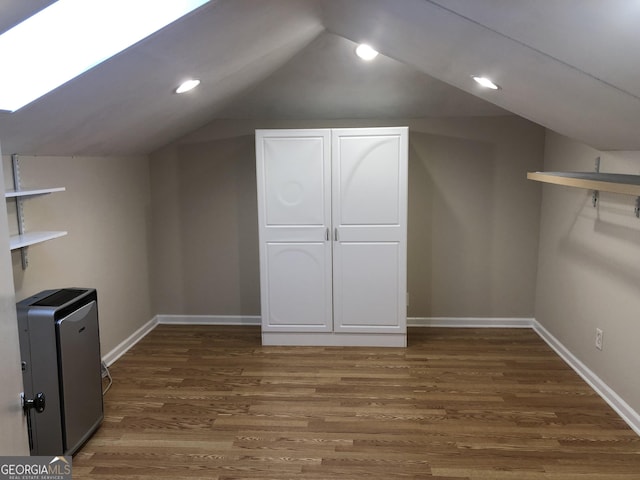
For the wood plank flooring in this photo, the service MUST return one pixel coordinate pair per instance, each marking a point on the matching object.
(209, 402)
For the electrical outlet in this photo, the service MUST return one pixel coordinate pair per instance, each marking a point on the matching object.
(599, 335)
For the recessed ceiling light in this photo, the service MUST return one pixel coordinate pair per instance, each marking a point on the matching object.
(365, 52)
(188, 85)
(485, 82)
(71, 36)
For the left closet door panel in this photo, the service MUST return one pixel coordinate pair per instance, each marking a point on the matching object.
(294, 213)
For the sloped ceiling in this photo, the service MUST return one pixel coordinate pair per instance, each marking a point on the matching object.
(325, 80)
(572, 66)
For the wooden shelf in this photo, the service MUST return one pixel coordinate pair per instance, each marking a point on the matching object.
(604, 182)
(33, 192)
(31, 238)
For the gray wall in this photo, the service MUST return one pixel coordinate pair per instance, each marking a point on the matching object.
(205, 227)
(477, 236)
(105, 209)
(473, 217)
(589, 268)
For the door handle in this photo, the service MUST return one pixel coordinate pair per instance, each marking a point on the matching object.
(326, 234)
(335, 234)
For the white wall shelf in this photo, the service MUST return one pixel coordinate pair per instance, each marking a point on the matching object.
(33, 192)
(31, 238)
(24, 239)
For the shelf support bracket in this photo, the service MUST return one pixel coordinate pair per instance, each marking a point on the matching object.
(15, 168)
(596, 194)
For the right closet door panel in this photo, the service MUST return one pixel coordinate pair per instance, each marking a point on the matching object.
(366, 296)
(369, 210)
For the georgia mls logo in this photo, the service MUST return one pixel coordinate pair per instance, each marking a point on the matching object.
(59, 466)
(35, 468)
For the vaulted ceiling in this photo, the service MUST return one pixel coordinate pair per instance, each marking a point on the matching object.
(572, 66)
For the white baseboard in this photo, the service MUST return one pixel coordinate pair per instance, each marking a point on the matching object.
(622, 408)
(322, 339)
(628, 414)
(129, 342)
(209, 319)
(139, 334)
(470, 322)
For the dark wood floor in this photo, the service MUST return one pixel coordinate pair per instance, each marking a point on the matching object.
(202, 402)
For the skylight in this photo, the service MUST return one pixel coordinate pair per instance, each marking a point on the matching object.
(72, 36)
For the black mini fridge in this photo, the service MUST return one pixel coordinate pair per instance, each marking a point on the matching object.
(61, 368)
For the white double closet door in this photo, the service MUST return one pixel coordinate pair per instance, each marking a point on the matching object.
(332, 209)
